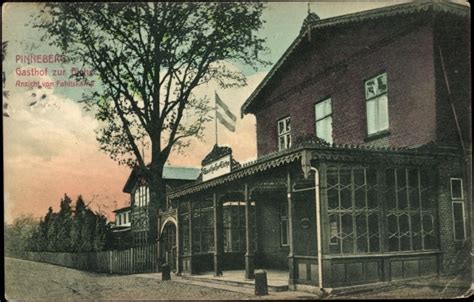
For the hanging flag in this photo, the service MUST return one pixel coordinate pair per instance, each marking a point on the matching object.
(226, 118)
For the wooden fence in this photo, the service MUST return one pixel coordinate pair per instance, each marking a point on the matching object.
(142, 259)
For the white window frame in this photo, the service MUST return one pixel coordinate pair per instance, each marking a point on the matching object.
(284, 131)
(142, 196)
(376, 97)
(458, 200)
(327, 116)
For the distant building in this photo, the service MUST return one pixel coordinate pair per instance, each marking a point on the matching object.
(122, 217)
(136, 186)
(377, 105)
(121, 230)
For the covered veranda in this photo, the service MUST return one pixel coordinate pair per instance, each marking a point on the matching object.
(263, 215)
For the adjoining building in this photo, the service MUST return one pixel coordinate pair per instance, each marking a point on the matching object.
(140, 198)
(364, 156)
(121, 229)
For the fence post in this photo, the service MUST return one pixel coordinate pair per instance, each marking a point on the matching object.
(110, 262)
(132, 260)
(156, 258)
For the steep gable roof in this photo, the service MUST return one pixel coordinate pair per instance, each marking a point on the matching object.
(311, 23)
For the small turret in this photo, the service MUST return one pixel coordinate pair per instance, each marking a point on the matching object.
(310, 20)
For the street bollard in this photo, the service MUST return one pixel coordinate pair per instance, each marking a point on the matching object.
(165, 272)
(261, 286)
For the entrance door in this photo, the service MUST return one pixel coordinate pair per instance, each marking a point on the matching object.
(169, 236)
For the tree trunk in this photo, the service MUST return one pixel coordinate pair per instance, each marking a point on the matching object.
(157, 199)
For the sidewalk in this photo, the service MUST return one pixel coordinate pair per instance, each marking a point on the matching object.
(285, 295)
(429, 288)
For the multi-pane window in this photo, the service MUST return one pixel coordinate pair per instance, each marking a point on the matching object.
(409, 214)
(142, 196)
(140, 238)
(284, 134)
(457, 197)
(184, 225)
(234, 226)
(353, 210)
(376, 104)
(284, 224)
(323, 115)
(203, 227)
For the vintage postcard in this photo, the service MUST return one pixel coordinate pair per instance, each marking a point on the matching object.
(237, 150)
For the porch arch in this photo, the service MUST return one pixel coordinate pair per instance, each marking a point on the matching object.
(168, 220)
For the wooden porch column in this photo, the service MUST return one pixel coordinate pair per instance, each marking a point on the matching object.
(249, 255)
(291, 229)
(218, 235)
(190, 232)
(381, 183)
(179, 241)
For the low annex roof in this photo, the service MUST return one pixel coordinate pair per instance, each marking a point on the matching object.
(121, 210)
(183, 173)
(169, 172)
(313, 24)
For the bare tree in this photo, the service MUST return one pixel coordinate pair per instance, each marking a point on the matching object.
(149, 58)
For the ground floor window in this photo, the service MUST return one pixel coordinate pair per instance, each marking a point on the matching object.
(203, 227)
(362, 201)
(353, 210)
(234, 226)
(140, 238)
(410, 215)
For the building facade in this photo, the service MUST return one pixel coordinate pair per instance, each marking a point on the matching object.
(140, 215)
(363, 168)
(121, 229)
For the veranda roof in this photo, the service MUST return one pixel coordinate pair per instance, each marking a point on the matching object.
(425, 155)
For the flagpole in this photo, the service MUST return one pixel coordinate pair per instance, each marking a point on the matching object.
(215, 113)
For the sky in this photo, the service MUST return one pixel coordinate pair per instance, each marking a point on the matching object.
(50, 147)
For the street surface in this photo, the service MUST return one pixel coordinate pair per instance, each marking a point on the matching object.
(27, 280)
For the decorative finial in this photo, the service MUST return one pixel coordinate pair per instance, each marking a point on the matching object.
(310, 20)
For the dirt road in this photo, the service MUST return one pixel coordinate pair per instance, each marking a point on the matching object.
(26, 280)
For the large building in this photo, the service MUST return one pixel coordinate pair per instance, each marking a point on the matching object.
(363, 168)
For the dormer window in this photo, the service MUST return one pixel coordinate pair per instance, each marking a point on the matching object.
(284, 134)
